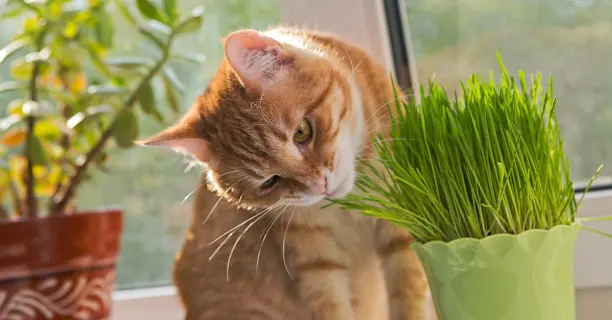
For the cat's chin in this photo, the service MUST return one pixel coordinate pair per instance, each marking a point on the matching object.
(305, 201)
(343, 188)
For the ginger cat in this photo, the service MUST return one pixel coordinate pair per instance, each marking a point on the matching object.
(280, 129)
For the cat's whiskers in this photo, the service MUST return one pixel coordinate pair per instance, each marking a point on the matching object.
(191, 193)
(255, 216)
(373, 117)
(284, 240)
(353, 67)
(380, 141)
(258, 107)
(266, 234)
(230, 172)
(220, 245)
(375, 114)
(262, 214)
(228, 234)
(221, 198)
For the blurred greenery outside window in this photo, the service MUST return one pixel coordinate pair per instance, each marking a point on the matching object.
(568, 39)
(150, 185)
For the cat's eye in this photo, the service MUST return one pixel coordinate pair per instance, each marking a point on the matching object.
(270, 182)
(303, 132)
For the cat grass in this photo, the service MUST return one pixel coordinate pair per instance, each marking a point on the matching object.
(488, 162)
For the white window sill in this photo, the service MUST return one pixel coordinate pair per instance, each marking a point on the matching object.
(161, 303)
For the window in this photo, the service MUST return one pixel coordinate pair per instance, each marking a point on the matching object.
(568, 39)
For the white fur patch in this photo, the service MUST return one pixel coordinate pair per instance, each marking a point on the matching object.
(348, 145)
(358, 118)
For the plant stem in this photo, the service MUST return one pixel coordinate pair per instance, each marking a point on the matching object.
(4, 214)
(31, 203)
(66, 111)
(18, 206)
(59, 205)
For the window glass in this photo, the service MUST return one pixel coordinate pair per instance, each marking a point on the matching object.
(150, 185)
(568, 39)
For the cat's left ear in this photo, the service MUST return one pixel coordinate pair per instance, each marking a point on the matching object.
(256, 58)
(180, 139)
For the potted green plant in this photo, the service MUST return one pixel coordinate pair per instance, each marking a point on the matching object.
(75, 102)
(483, 185)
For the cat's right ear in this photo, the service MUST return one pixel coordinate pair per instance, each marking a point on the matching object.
(181, 140)
(255, 58)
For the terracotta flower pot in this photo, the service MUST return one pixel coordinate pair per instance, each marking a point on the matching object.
(60, 267)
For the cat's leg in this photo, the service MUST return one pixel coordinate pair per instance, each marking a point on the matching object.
(320, 268)
(406, 282)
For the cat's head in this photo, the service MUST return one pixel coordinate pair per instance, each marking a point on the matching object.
(278, 124)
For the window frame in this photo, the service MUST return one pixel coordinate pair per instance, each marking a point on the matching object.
(381, 28)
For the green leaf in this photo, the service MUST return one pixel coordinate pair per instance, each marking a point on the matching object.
(36, 108)
(89, 113)
(21, 69)
(16, 107)
(105, 29)
(10, 121)
(146, 99)
(32, 5)
(104, 90)
(149, 35)
(189, 57)
(71, 30)
(149, 10)
(40, 56)
(170, 9)
(126, 12)
(101, 160)
(118, 81)
(95, 53)
(193, 23)
(11, 11)
(36, 152)
(11, 86)
(158, 28)
(12, 48)
(49, 129)
(171, 96)
(173, 78)
(126, 129)
(128, 62)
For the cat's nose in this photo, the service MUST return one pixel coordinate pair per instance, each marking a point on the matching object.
(320, 186)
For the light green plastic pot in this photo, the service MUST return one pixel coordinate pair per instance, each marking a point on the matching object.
(529, 276)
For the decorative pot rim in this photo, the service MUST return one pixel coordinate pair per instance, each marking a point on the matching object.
(47, 217)
(463, 241)
(37, 246)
